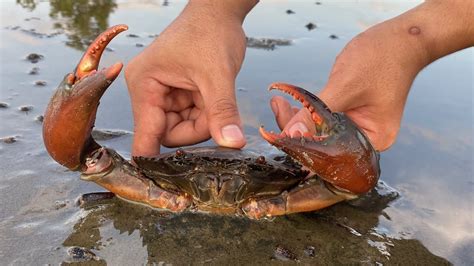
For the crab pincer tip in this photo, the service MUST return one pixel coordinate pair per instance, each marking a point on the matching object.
(121, 27)
(274, 86)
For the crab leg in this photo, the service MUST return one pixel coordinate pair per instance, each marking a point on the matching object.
(310, 196)
(344, 157)
(108, 169)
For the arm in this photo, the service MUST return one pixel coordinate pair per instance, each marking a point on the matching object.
(182, 85)
(372, 76)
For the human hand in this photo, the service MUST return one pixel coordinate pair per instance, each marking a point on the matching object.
(372, 76)
(366, 85)
(182, 85)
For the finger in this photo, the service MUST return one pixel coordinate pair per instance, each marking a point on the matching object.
(300, 123)
(149, 117)
(186, 129)
(222, 113)
(282, 110)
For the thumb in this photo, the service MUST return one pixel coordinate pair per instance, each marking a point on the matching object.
(223, 116)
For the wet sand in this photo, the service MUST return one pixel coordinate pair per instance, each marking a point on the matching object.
(420, 213)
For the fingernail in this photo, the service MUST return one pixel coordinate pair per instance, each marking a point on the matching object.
(232, 133)
(298, 129)
(274, 106)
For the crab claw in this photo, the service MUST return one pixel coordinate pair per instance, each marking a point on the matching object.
(340, 153)
(70, 115)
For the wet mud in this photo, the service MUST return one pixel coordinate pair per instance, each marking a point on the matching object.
(34, 58)
(311, 26)
(106, 134)
(266, 43)
(190, 238)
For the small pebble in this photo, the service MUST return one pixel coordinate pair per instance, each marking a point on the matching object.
(59, 204)
(94, 198)
(32, 18)
(106, 134)
(310, 251)
(25, 108)
(333, 36)
(34, 71)
(3, 105)
(139, 45)
(310, 26)
(159, 228)
(267, 43)
(34, 58)
(40, 83)
(39, 118)
(284, 254)
(81, 254)
(289, 12)
(318, 3)
(108, 49)
(8, 140)
(131, 35)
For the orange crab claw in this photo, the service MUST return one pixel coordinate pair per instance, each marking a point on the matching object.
(339, 153)
(70, 115)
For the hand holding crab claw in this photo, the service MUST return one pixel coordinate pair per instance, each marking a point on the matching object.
(372, 76)
(369, 82)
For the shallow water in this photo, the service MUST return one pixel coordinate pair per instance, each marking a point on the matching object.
(421, 212)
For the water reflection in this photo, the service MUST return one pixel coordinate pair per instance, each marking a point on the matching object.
(82, 20)
(27, 4)
(199, 238)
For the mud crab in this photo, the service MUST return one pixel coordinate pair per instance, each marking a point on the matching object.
(342, 162)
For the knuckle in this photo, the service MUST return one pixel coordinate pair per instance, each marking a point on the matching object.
(222, 109)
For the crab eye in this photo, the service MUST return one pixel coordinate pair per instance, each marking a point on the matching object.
(180, 153)
(260, 160)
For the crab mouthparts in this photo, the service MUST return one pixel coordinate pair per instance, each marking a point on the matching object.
(100, 161)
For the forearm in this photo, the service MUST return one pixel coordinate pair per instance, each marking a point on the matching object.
(372, 76)
(232, 9)
(430, 31)
(445, 26)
